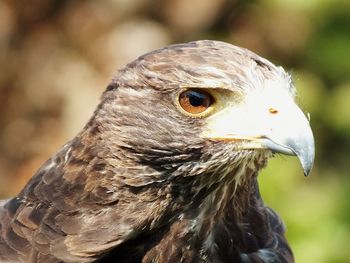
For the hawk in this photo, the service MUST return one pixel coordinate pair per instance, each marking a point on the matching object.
(166, 169)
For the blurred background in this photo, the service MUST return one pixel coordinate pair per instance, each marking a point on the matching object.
(57, 56)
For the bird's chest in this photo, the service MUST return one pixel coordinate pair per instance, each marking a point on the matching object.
(206, 236)
(183, 243)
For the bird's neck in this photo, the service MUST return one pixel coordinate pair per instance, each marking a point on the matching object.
(231, 197)
(212, 193)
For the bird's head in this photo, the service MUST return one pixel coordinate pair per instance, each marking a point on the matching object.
(204, 107)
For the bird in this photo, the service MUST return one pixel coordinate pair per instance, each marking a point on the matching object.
(166, 168)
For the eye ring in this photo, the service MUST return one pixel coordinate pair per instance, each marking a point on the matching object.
(195, 101)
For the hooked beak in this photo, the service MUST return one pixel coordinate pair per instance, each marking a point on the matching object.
(300, 144)
(268, 122)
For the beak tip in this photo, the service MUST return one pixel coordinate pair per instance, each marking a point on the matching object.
(307, 167)
(307, 158)
(307, 172)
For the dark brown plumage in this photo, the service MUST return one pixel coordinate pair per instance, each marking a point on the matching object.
(148, 181)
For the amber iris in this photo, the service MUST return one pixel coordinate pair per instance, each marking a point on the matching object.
(195, 101)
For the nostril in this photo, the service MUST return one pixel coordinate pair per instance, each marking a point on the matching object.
(273, 111)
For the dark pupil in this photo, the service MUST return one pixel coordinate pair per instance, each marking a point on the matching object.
(196, 99)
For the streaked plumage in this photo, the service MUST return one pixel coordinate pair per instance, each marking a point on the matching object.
(146, 182)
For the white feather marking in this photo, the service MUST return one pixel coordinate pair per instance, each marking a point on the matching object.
(67, 155)
(268, 256)
(49, 165)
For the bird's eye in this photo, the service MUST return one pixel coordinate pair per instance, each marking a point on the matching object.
(195, 101)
